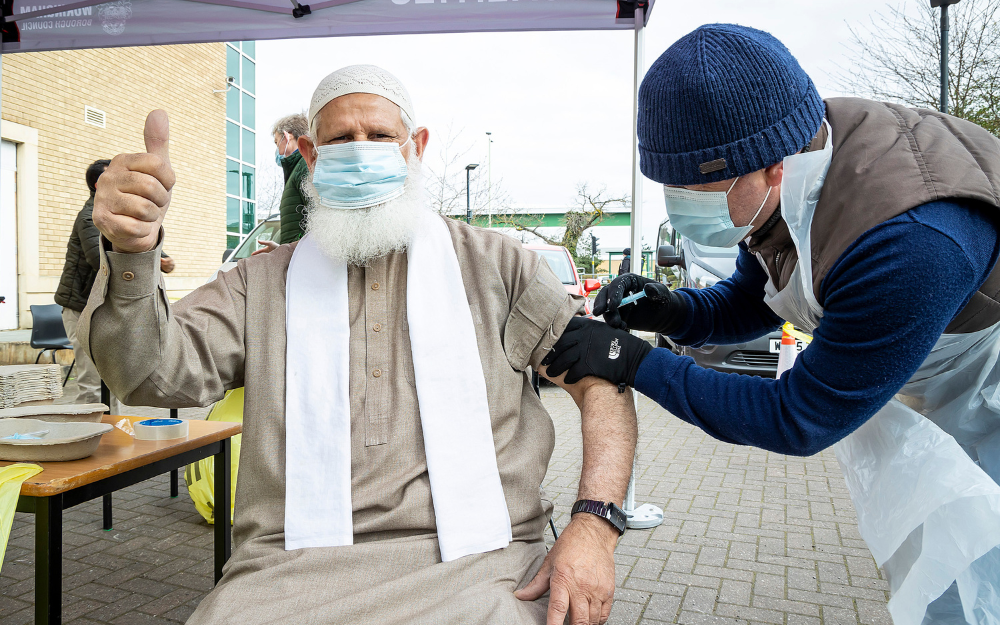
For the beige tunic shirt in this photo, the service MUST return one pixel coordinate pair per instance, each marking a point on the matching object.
(230, 333)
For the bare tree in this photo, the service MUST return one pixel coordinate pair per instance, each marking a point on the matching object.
(446, 179)
(270, 185)
(590, 210)
(898, 58)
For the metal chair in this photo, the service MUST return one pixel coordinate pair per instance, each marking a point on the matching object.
(49, 334)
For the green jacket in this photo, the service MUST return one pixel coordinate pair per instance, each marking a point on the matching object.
(83, 259)
(293, 207)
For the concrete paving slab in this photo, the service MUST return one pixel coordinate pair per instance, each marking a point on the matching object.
(748, 537)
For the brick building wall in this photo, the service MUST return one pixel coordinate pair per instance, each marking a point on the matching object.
(48, 91)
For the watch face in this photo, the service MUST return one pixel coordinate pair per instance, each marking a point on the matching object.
(618, 517)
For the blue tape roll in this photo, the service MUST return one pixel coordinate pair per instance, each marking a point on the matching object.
(160, 429)
(160, 422)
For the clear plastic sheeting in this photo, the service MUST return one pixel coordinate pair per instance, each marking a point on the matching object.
(978, 589)
(927, 510)
(200, 476)
(958, 388)
(11, 478)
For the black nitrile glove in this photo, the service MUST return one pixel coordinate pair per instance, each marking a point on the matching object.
(661, 310)
(590, 347)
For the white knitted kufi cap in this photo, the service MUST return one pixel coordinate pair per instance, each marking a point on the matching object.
(361, 79)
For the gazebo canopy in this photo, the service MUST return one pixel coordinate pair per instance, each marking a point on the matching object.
(32, 27)
(29, 27)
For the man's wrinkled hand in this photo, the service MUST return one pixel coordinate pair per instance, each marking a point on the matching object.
(268, 247)
(578, 573)
(133, 193)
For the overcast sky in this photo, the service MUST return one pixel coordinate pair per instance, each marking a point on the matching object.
(558, 104)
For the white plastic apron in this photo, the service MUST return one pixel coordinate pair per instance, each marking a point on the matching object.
(917, 470)
(801, 183)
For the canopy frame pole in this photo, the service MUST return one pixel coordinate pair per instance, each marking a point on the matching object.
(647, 515)
(636, 221)
(289, 11)
(236, 4)
(317, 6)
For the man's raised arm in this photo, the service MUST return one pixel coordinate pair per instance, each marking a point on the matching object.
(147, 352)
(579, 571)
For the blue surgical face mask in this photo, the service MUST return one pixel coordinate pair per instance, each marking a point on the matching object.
(703, 216)
(289, 143)
(359, 174)
(279, 158)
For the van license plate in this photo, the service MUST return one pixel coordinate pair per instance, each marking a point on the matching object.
(775, 346)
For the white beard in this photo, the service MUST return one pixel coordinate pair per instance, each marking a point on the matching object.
(360, 236)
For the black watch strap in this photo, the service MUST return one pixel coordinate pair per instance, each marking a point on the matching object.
(607, 511)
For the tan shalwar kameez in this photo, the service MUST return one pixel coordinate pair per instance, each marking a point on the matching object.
(231, 333)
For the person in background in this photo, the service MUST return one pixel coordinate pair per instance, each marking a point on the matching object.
(167, 264)
(292, 207)
(83, 259)
(626, 264)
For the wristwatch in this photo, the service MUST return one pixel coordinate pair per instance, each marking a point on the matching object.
(607, 511)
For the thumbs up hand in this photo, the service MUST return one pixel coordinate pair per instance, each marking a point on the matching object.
(134, 191)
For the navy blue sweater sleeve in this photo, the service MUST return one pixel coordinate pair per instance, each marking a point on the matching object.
(731, 311)
(886, 302)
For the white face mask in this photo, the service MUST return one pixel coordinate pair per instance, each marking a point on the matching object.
(703, 216)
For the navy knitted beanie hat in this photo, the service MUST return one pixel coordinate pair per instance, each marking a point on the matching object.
(723, 101)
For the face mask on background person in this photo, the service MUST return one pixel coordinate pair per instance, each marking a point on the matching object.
(359, 174)
(280, 155)
(703, 216)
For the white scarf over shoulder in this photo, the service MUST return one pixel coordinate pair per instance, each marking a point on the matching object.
(469, 505)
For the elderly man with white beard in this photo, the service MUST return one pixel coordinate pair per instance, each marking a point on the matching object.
(393, 448)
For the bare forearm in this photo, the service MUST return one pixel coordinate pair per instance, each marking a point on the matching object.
(609, 435)
(579, 571)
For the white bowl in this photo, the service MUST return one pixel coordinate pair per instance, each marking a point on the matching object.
(62, 441)
(57, 412)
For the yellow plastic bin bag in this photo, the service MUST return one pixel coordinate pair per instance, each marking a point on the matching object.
(11, 478)
(200, 476)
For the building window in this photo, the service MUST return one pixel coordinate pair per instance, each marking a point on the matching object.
(241, 113)
(232, 216)
(232, 178)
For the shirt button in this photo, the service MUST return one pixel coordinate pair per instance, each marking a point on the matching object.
(375, 286)
(377, 373)
(128, 276)
(377, 327)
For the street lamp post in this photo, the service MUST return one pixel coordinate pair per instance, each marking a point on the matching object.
(468, 196)
(489, 177)
(593, 252)
(945, 27)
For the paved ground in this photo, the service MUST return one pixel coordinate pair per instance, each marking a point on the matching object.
(748, 536)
